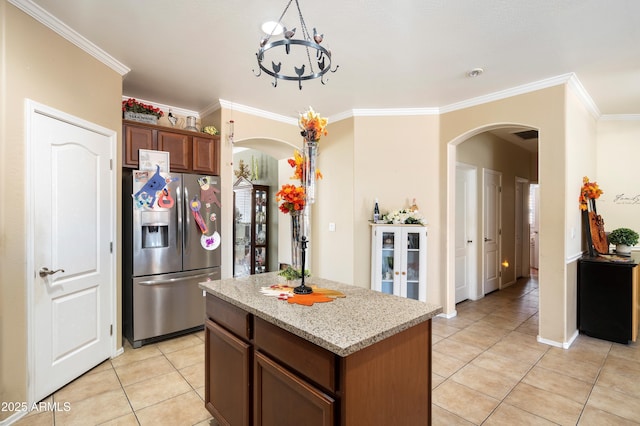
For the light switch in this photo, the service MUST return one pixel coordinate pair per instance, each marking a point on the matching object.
(332, 227)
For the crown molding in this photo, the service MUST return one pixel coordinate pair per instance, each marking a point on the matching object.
(257, 112)
(340, 116)
(570, 79)
(210, 109)
(389, 112)
(577, 87)
(620, 117)
(508, 93)
(62, 29)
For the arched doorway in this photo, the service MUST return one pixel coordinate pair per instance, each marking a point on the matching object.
(265, 160)
(493, 149)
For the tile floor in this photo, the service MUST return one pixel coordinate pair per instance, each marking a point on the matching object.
(157, 384)
(488, 369)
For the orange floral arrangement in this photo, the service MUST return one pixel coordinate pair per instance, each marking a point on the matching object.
(293, 198)
(589, 191)
(297, 162)
(313, 126)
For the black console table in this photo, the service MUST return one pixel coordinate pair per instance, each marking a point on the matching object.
(608, 298)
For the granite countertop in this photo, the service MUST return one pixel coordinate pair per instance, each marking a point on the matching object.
(343, 326)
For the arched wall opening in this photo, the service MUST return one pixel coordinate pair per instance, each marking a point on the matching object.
(273, 170)
(496, 141)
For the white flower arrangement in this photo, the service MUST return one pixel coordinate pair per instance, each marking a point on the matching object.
(404, 216)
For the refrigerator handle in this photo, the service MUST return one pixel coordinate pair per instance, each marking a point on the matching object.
(178, 279)
(179, 219)
(187, 216)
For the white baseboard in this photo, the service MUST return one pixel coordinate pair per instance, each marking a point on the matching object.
(563, 345)
(118, 352)
(13, 418)
(449, 315)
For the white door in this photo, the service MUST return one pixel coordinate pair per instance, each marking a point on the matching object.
(491, 230)
(522, 228)
(466, 210)
(73, 211)
(534, 215)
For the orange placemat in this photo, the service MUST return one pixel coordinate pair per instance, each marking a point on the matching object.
(285, 292)
(309, 299)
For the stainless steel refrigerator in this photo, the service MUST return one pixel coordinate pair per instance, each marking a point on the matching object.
(170, 244)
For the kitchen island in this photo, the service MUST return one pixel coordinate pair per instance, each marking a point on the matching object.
(361, 359)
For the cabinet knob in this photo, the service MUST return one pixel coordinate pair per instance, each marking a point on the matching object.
(404, 273)
(397, 273)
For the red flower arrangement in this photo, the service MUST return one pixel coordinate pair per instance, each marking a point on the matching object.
(135, 106)
(589, 191)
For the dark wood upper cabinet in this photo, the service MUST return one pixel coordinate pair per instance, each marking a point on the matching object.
(179, 148)
(206, 155)
(189, 152)
(136, 138)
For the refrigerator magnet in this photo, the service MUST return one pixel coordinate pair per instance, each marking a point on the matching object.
(210, 242)
(208, 195)
(195, 211)
(165, 200)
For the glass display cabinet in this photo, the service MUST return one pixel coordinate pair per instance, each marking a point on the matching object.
(399, 260)
(250, 231)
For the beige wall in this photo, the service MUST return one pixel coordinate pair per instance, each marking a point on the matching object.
(39, 65)
(486, 150)
(544, 110)
(397, 159)
(617, 158)
(334, 255)
(581, 161)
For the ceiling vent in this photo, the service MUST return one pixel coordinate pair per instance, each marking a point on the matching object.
(527, 134)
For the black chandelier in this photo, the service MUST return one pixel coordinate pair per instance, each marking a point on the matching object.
(297, 51)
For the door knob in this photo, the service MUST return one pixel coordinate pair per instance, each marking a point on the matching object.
(44, 271)
(469, 241)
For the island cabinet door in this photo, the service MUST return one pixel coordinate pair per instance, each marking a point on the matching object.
(282, 398)
(227, 376)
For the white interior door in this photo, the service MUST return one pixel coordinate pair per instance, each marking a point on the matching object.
(465, 244)
(73, 211)
(522, 228)
(491, 230)
(534, 215)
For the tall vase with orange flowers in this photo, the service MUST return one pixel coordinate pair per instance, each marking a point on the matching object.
(313, 127)
(297, 200)
(593, 222)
